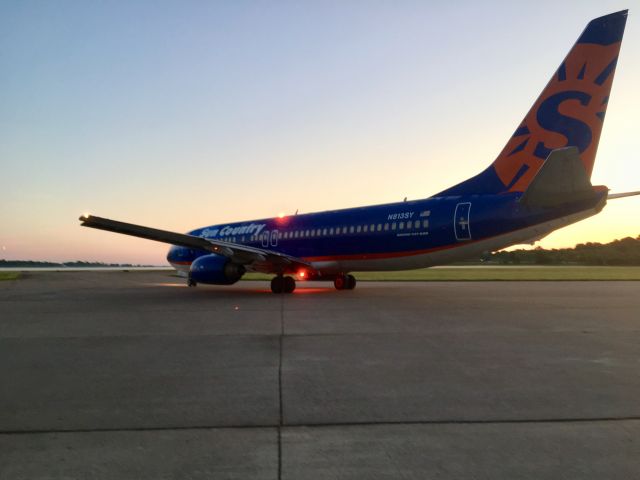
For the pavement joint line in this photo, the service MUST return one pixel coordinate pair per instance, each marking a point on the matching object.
(392, 333)
(280, 403)
(328, 425)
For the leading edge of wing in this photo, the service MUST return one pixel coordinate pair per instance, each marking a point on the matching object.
(239, 253)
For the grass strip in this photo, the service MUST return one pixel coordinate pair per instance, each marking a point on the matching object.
(9, 275)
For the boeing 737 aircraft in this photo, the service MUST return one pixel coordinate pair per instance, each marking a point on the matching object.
(540, 182)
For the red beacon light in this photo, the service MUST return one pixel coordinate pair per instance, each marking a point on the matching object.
(302, 274)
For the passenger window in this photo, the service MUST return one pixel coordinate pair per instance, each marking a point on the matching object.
(373, 227)
(416, 224)
(324, 231)
(425, 223)
(401, 226)
(366, 228)
(358, 229)
(386, 227)
(344, 229)
(409, 224)
(351, 229)
(331, 231)
(393, 226)
(379, 227)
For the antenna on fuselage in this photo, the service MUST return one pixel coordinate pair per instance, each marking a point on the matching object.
(405, 199)
(296, 212)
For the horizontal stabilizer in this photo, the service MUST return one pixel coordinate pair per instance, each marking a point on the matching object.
(613, 196)
(561, 179)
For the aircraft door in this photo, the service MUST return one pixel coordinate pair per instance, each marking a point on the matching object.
(461, 221)
(265, 239)
(274, 238)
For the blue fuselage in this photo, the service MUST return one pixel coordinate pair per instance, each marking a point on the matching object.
(403, 235)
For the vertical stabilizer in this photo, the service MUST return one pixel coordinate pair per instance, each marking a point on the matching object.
(570, 111)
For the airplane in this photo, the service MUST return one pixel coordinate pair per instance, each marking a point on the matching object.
(539, 182)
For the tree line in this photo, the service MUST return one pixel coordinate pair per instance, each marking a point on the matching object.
(619, 252)
(75, 264)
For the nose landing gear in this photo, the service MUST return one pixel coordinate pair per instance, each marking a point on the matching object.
(282, 284)
(345, 282)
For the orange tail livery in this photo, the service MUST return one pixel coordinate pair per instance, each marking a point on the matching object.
(570, 111)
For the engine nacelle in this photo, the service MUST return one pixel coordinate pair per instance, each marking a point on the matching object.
(216, 270)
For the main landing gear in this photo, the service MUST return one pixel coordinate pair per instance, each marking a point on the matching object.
(282, 284)
(345, 282)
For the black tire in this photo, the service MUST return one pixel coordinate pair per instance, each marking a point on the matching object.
(340, 282)
(351, 282)
(192, 283)
(289, 284)
(277, 284)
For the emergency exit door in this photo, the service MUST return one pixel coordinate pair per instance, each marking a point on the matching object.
(461, 221)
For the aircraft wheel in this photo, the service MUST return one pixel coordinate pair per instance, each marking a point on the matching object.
(192, 283)
(340, 282)
(289, 284)
(277, 284)
(351, 282)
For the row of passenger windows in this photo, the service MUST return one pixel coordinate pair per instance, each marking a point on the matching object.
(345, 230)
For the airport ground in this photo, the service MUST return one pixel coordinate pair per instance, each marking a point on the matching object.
(134, 375)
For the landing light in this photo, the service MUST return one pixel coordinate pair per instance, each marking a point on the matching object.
(86, 215)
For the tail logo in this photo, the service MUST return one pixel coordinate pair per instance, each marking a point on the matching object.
(577, 133)
(570, 112)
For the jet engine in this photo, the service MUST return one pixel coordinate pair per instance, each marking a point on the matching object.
(215, 269)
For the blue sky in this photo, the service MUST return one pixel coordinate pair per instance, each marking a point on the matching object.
(183, 114)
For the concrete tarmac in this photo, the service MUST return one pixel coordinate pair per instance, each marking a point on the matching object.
(134, 375)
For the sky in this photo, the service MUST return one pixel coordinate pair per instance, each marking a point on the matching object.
(183, 114)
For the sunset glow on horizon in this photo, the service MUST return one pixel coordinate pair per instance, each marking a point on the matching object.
(187, 114)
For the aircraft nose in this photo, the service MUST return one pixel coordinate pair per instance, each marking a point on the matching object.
(174, 254)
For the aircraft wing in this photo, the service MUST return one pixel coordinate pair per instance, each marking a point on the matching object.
(262, 260)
